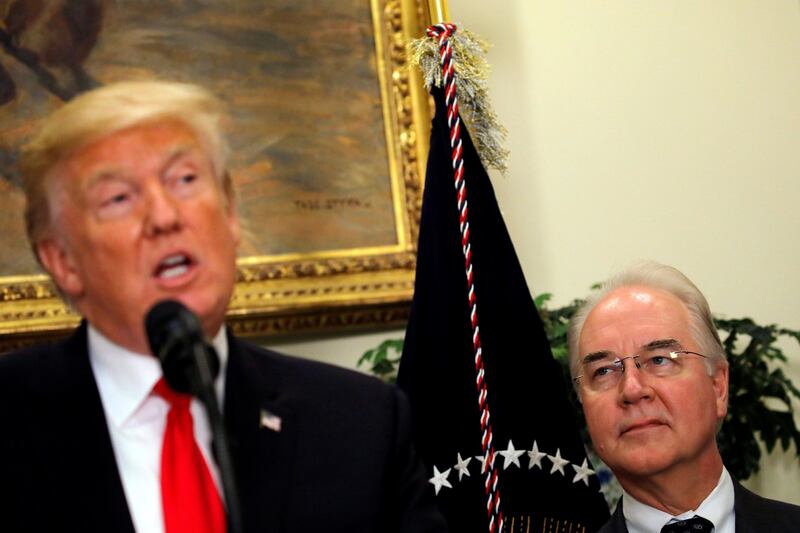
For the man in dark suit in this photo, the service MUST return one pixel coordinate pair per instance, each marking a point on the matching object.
(128, 204)
(651, 373)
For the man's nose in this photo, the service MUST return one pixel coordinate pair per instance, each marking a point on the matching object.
(163, 214)
(634, 385)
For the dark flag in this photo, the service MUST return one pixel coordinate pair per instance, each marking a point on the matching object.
(541, 479)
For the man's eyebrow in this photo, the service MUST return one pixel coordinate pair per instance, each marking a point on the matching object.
(661, 344)
(176, 153)
(104, 174)
(595, 356)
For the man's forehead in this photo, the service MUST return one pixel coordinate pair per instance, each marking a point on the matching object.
(110, 168)
(637, 301)
(634, 317)
(100, 157)
(639, 296)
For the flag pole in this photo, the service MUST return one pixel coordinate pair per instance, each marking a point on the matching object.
(437, 12)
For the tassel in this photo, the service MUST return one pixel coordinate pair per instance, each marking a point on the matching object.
(472, 71)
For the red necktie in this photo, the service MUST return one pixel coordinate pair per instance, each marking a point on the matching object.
(188, 493)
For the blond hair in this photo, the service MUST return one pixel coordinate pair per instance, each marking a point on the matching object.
(107, 110)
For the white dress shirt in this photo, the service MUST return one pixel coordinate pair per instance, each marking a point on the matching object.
(137, 419)
(717, 507)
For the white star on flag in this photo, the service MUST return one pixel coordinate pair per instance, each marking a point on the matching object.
(461, 466)
(558, 462)
(439, 479)
(535, 456)
(582, 473)
(511, 456)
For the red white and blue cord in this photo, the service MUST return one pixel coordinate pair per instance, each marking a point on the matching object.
(442, 33)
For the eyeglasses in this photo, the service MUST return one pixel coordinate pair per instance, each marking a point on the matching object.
(604, 374)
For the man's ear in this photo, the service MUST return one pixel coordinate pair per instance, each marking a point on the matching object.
(57, 260)
(720, 382)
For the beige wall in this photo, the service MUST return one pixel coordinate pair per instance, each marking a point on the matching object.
(663, 130)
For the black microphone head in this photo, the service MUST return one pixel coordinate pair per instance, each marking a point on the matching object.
(174, 332)
(161, 321)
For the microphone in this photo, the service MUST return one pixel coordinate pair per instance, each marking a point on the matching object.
(190, 366)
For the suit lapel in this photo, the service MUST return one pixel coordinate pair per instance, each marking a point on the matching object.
(747, 518)
(74, 446)
(616, 523)
(263, 435)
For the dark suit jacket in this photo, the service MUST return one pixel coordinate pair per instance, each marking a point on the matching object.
(343, 460)
(754, 514)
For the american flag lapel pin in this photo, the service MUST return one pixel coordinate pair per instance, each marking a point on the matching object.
(270, 421)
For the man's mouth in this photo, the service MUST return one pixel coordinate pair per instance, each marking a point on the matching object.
(173, 266)
(639, 425)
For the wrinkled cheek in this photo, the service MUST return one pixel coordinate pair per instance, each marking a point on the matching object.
(596, 431)
(605, 449)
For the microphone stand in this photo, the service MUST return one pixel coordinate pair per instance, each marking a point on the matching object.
(189, 365)
(220, 445)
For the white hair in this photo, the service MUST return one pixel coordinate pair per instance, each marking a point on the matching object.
(666, 278)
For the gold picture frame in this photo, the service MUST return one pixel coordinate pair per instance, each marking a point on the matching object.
(289, 293)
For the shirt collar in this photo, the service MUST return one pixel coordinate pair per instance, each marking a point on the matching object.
(716, 507)
(125, 378)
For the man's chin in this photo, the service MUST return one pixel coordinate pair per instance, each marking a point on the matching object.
(209, 310)
(634, 456)
(641, 465)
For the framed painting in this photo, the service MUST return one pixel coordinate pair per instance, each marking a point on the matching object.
(328, 144)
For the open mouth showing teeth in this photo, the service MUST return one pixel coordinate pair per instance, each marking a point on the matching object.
(173, 266)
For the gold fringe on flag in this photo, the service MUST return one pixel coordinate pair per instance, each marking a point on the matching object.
(472, 71)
